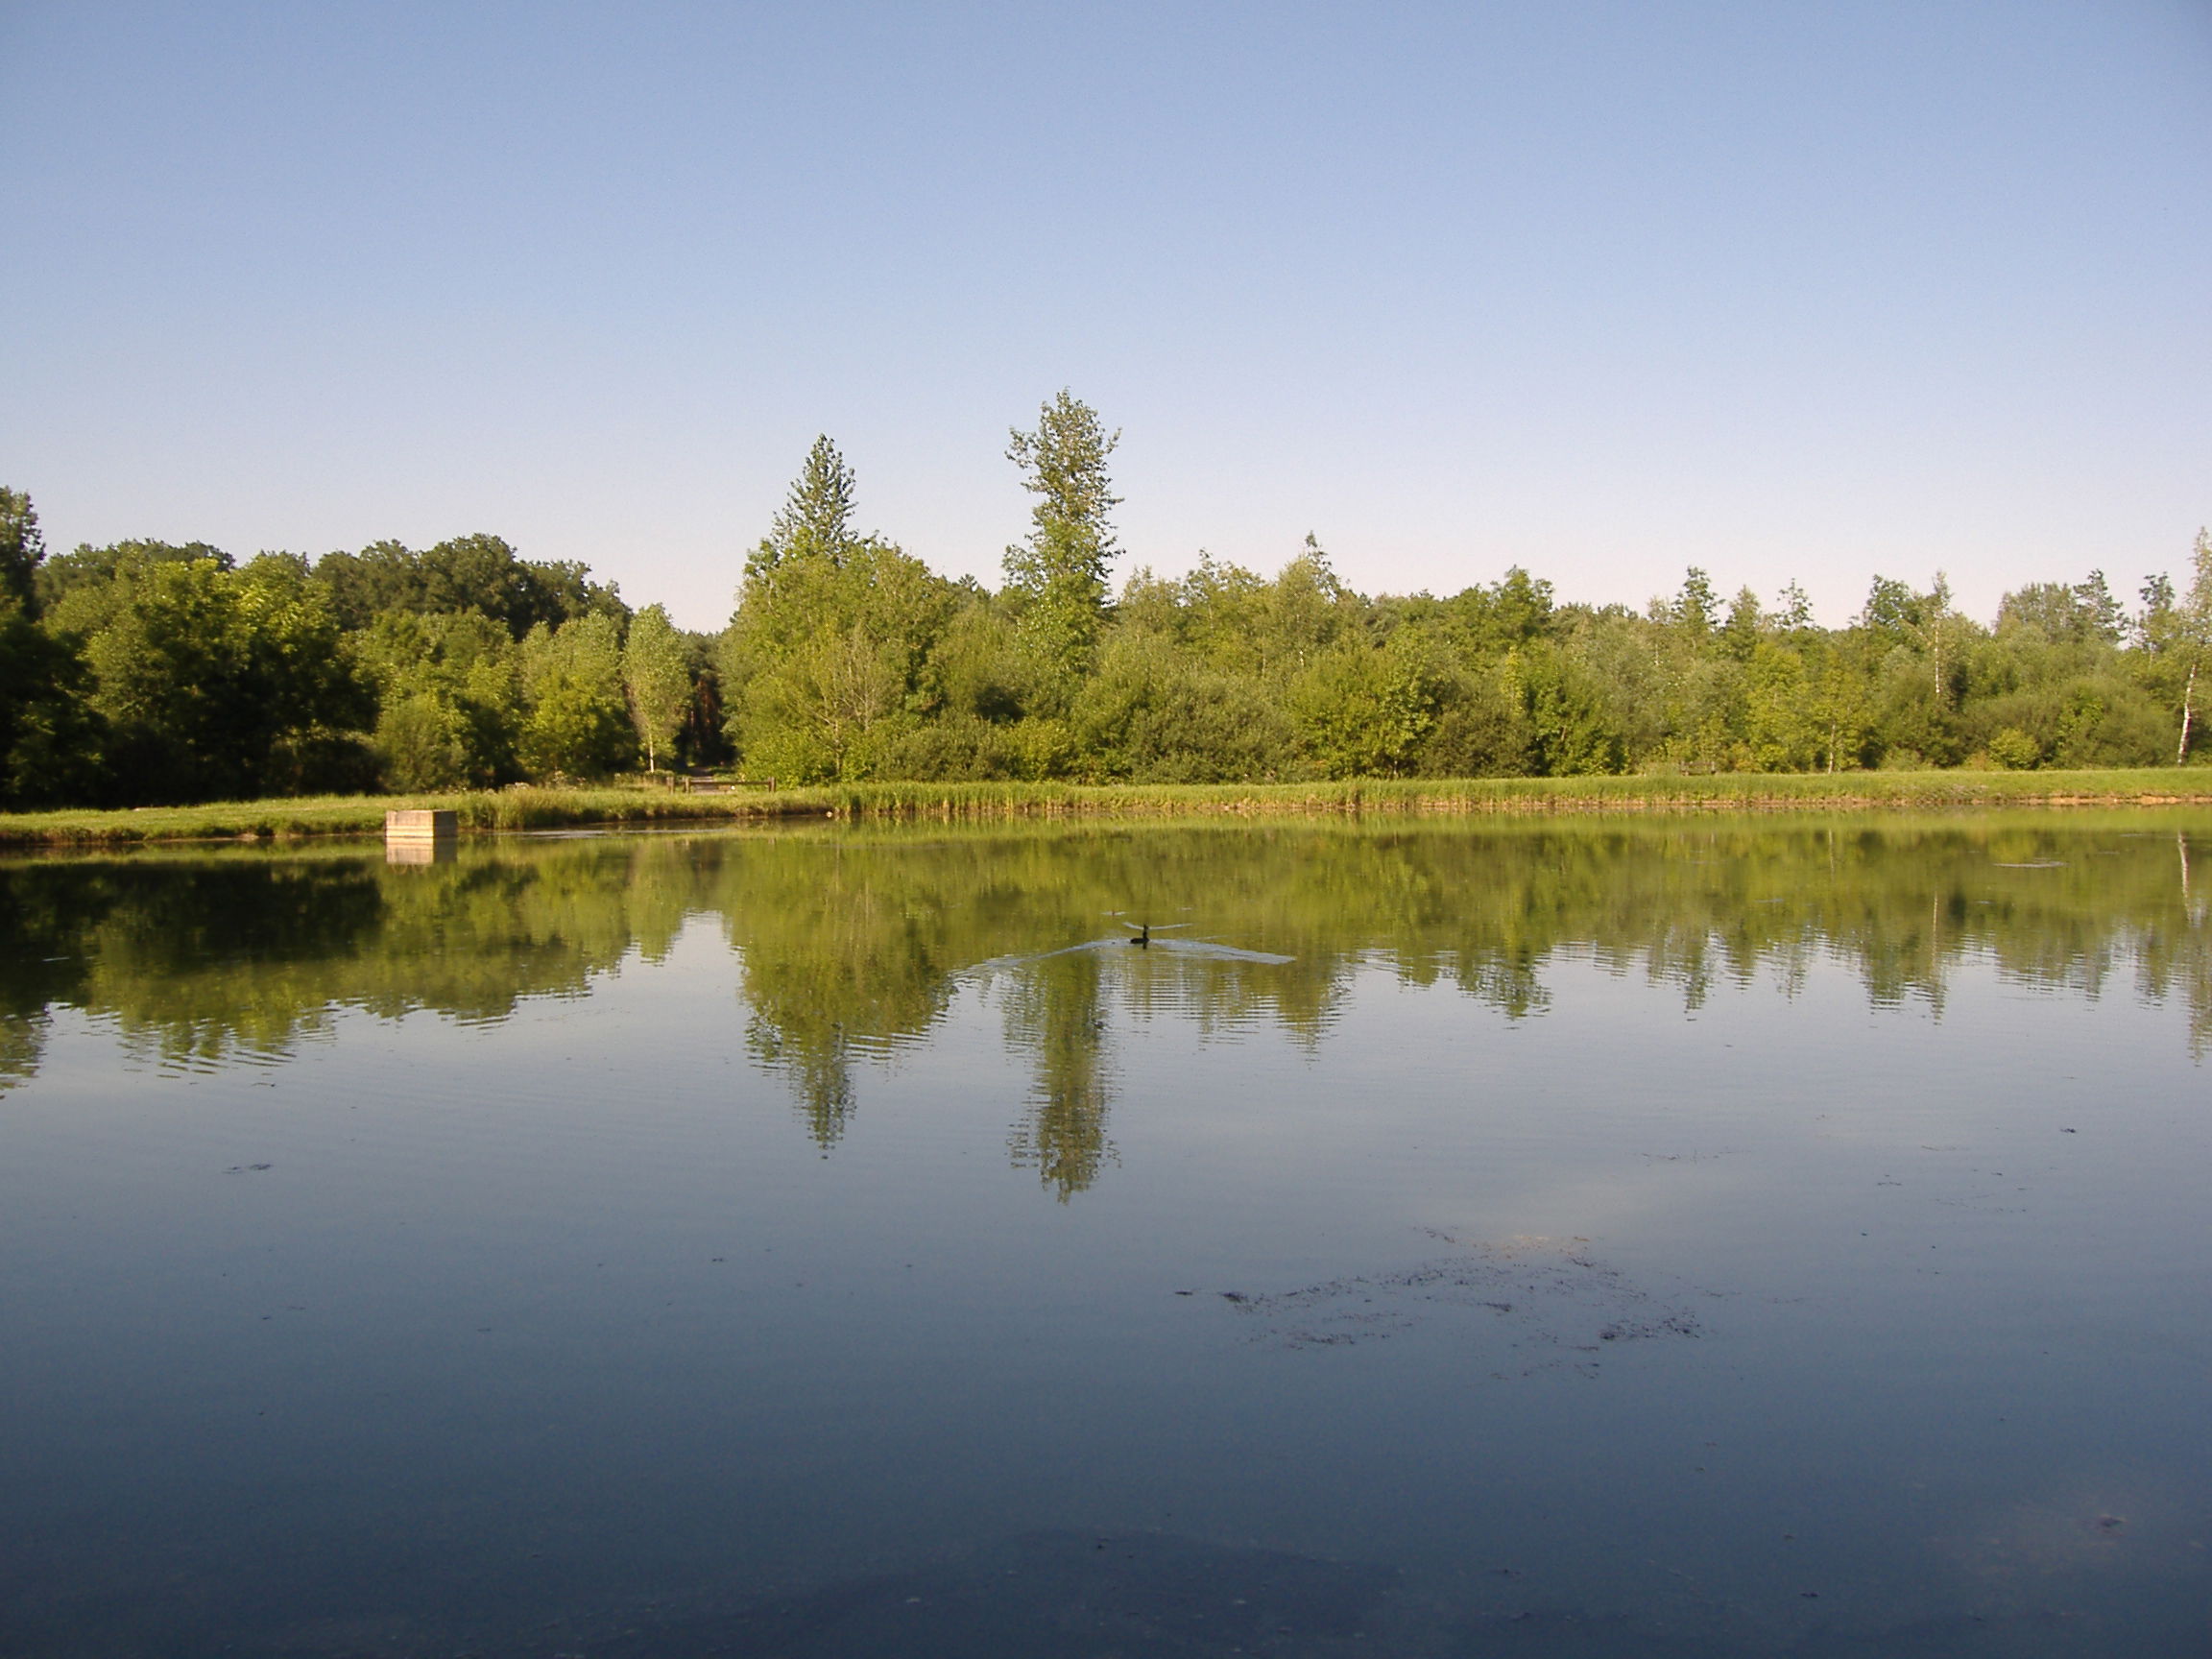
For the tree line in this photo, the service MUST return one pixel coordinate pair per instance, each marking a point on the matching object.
(155, 672)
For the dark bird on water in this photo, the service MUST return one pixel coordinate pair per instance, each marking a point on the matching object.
(1145, 931)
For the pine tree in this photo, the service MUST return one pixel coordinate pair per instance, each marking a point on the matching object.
(816, 518)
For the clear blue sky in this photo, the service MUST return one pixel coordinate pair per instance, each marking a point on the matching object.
(1780, 289)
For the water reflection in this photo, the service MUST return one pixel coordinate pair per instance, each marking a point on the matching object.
(1056, 1011)
(853, 945)
(1056, 1014)
(1390, 1256)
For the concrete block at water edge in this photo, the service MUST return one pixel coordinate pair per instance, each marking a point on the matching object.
(421, 826)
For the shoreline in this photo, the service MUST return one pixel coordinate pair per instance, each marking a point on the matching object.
(531, 808)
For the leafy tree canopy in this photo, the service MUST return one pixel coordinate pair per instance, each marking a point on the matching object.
(219, 682)
(22, 549)
(92, 569)
(479, 573)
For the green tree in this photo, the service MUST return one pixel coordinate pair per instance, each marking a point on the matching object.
(1918, 648)
(1794, 613)
(1696, 610)
(449, 698)
(22, 549)
(1302, 613)
(657, 676)
(479, 573)
(86, 577)
(51, 743)
(2178, 634)
(816, 518)
(2014, 750)
(1058, 574)
(1506, 616)
(225, 682)
(1784, 728)
(826, 660)
(1745, 627)
(1599, 694)
(1362, 712)
(2079, 613)
(823, 662)
(578, 722)
(1156, 713)
(1927, 623)
(1842, 710)
(2157, 610)
(2107, 619)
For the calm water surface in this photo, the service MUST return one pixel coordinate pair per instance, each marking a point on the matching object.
(1688, 1238)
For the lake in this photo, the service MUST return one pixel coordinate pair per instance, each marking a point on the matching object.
(1670, 1236)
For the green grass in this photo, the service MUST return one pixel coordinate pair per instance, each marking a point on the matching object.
(531, 808)
(290, 818)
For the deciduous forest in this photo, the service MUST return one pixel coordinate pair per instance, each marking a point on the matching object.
(154, 672)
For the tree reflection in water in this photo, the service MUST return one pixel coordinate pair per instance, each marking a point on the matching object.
(1056, 1013)
(852, 944)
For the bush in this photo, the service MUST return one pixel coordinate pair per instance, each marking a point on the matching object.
(2015, 751)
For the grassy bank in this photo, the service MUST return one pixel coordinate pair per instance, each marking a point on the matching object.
(556, 808)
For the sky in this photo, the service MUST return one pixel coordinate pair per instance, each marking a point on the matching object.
(1784, 291)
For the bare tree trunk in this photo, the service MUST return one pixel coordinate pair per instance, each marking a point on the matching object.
(2188, 713)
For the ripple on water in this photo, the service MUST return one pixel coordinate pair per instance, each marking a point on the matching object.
(1525, 1304)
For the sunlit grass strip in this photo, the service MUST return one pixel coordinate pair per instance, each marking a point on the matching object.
(1739, 792)
(532, 808)
(290, 818)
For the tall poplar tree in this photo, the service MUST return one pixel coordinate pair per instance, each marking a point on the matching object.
(656, 677)
(1058, 574)
(2179, 635)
